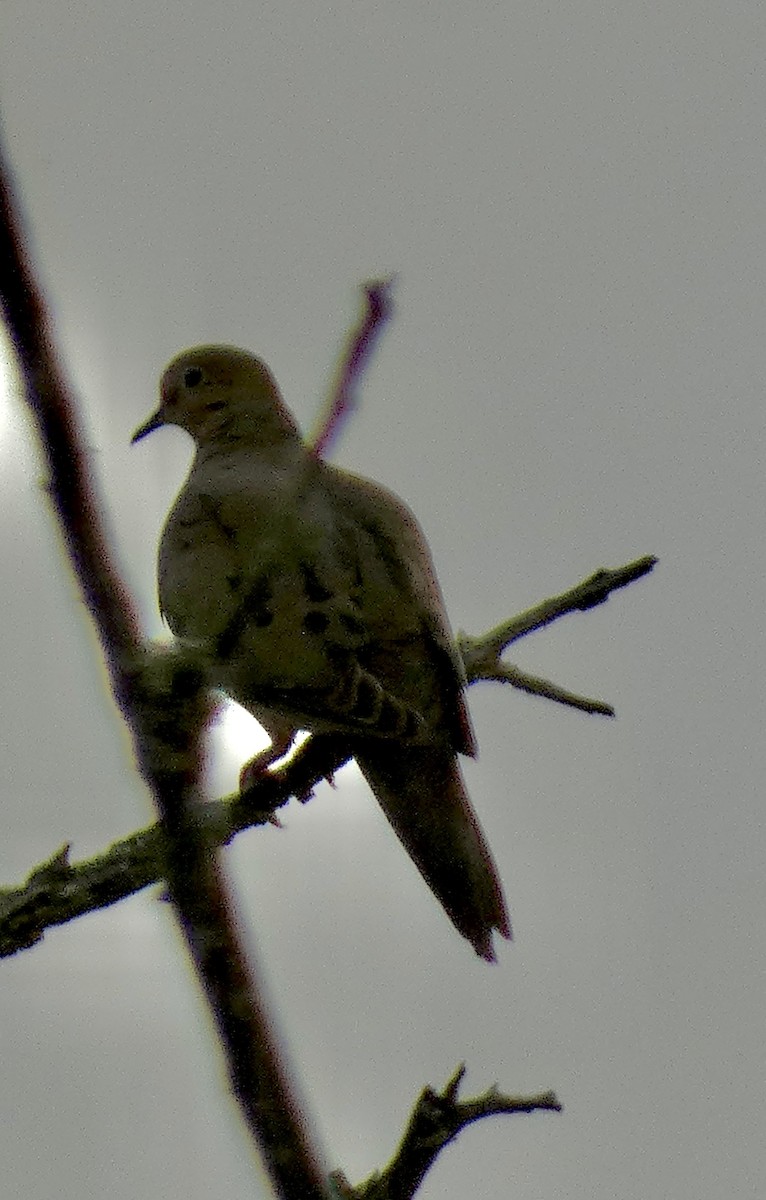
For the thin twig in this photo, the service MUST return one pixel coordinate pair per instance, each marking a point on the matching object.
(535, 685)
(343, 397)
(483, 655)
(166, 709)
(436, 1119)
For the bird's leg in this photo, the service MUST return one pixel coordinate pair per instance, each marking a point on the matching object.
(259, 765)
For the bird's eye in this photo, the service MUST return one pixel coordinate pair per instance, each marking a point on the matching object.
(192, 377)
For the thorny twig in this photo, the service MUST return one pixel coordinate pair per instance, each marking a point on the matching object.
(436, 1119)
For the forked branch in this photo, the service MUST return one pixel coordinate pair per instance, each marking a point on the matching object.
(436, 1119)
(483, 655)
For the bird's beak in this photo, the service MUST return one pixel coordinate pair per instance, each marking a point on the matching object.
(155, 421)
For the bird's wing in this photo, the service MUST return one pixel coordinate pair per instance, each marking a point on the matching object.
(411, 648)
(419, 785)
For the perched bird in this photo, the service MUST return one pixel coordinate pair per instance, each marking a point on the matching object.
(312, 598)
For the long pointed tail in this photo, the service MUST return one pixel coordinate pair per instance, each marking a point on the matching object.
(421, 791)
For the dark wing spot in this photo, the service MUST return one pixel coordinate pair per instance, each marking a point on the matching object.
(351, 623)
(315, 622)
(315, 591)
(257, 603)
(261, 589)
(253, 610)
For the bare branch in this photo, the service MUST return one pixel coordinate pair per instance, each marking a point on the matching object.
(166, 709)
(483, 655)
(57, 892)
(343, 398)
(536, 686)
(436, 1119)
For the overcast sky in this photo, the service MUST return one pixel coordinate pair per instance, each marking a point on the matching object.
(571, 196)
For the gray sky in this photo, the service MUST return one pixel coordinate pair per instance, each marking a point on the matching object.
(572, 196)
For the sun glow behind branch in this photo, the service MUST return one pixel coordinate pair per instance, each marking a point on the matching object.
(236, 735)
(235, 738)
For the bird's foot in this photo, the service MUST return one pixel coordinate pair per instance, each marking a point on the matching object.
(257, 767)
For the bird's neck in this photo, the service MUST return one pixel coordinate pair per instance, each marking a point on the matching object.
(282, 449)
(269, 431)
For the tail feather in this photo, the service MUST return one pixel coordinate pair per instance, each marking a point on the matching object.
(421, 791)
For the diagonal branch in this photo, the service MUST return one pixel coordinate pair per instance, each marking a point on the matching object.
(164, 704)
(57, 891)
(436, 1119)
(343, 398)
(483, 655)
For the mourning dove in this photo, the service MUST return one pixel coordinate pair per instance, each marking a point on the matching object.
(310, 594)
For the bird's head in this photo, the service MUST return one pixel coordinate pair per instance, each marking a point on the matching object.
(220, 393)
